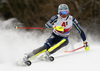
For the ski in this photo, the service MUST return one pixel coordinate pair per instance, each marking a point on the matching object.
(74, 49)
(28, 27)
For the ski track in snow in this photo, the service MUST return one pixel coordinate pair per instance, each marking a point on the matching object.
(15, 43)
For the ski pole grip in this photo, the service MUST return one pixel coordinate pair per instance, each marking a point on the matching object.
(16, 27)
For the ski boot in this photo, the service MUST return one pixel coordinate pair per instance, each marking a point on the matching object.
(46, 57)
(24, 61)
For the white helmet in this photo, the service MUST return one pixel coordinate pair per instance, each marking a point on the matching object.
(63, 7)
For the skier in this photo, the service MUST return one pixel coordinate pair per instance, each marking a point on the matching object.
(62, 24)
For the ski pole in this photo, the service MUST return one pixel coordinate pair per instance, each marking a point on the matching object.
(28, 27)
(74, 49)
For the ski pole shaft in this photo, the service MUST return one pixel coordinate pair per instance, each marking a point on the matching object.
(74, 49)
(28, 27)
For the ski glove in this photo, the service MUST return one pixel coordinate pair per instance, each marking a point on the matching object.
(59, 28)
(86, 45)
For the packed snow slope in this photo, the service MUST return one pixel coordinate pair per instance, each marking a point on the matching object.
(14, 43)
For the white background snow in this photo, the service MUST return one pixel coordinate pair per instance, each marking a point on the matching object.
(15, 43)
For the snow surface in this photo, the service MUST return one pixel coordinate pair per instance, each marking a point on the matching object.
(15, 43)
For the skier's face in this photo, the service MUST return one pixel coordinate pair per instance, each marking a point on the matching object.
(63, 14)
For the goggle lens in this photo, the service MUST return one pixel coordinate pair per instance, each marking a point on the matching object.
(63, 12)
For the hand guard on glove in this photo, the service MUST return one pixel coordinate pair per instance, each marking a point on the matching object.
(59, 28)
(86, 45)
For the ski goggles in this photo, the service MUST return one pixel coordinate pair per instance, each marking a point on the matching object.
(63, 12)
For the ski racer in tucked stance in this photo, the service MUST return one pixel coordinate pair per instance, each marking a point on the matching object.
(61, 24)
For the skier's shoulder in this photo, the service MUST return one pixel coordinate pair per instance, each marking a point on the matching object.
(54, 17)
(70, 16)
(73, 19)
